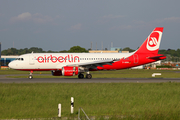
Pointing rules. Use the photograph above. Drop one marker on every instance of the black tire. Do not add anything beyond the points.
(88, 76)
(30, 77)
(80, 76)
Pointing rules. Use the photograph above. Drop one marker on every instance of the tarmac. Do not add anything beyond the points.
(3, 79)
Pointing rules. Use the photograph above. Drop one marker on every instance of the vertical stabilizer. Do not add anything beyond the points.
(152, 43)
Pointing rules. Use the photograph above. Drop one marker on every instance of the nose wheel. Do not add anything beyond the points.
(30, 75)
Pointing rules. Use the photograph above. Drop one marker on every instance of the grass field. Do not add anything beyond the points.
(127, 73)
(115, 100)
(120, 100)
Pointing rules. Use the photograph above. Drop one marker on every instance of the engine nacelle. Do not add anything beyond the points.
(70, 71)
(56, 73)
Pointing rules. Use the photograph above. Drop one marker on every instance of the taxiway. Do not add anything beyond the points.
(94, 80)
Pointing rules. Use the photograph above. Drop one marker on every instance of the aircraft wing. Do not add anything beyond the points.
(94, 64)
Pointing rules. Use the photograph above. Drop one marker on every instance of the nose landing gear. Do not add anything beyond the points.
(30, 75)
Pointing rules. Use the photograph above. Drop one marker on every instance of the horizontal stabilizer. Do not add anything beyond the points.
(157, 57)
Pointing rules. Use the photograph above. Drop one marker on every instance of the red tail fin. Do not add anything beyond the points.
(152, 43)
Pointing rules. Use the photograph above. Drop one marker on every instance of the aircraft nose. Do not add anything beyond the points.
(11, 65)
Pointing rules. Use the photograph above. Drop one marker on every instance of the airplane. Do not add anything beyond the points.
(70, 64)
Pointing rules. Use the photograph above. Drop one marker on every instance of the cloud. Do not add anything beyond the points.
(144, 24)
(76, 27)
(170, 19)
(22, 17)
(157, 22)
(37, 18)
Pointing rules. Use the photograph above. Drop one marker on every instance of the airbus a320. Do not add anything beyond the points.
(70, 64)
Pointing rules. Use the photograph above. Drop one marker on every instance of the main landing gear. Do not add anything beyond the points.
(81, 76)
(30, 75)
(88, 76)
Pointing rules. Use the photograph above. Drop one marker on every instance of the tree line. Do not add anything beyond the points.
(77, 49)
(14, 51)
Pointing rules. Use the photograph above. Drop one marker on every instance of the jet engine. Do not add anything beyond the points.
(70, 71)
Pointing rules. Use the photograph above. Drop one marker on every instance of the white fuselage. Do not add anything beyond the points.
(53, 61)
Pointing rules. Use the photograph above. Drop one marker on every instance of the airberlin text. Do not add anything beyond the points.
(55, 59)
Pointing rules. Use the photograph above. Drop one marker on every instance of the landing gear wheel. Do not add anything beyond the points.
(80, 76)
(30, 77)
(88, 76)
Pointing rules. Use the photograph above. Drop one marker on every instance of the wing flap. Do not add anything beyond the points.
(94, 64)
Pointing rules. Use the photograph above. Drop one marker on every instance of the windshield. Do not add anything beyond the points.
(20, 59)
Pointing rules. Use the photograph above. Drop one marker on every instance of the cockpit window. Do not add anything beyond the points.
(20, 59)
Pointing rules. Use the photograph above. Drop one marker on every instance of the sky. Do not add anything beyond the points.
(61, 24)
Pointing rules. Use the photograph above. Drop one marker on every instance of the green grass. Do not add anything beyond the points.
(117, 100)
(11, 72)
(127, 73)
(114, 100)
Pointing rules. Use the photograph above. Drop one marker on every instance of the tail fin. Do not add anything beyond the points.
(152, 43)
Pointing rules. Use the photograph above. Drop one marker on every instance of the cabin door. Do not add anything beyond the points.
(136, 59)
(31, 60)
